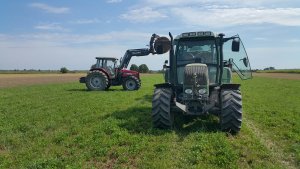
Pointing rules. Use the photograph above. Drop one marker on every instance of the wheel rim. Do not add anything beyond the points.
(130, 84)
(97, 82)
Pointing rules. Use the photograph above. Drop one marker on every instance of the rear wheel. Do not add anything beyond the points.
(108, 86)
(96, 80)
(131, 83)
(162, 117)
(231, 114)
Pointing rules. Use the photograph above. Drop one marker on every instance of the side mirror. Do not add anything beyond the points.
(165, 65)
(235, 47)
(245, 61)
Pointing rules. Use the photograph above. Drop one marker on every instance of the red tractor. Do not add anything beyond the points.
(106, 72)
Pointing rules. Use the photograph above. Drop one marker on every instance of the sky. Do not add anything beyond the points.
(71, 33)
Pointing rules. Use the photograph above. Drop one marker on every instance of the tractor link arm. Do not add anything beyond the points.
(132, 52)
(155, 47)
(138, 52)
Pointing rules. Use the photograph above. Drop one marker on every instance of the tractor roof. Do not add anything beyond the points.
(107, 58)
(195, 34)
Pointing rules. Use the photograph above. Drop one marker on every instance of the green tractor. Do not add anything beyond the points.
(198, 79)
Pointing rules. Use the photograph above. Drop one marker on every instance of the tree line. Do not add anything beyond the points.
(143, 68)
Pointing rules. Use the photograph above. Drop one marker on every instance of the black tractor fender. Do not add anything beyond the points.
(164, 85)
(230, 86)
(82, 79)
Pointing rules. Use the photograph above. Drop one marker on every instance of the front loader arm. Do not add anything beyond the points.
(157, 45)
(132, 52)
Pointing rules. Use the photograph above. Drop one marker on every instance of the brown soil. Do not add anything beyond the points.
(292, 76)
(12, 80)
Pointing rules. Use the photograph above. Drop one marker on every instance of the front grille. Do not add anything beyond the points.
(196, 74)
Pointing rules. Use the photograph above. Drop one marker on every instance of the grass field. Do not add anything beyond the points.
(64, 126)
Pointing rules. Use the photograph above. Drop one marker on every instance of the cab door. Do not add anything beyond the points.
(237, 58)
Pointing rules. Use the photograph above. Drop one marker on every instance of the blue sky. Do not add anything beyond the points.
(56, 33)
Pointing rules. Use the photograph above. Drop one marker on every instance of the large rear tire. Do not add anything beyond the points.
(96, 80)
(131, 83)
(108, 86)
(231, 113)
(162, 117)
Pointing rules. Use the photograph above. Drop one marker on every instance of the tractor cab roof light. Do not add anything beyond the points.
(197, 34)
(185, 35)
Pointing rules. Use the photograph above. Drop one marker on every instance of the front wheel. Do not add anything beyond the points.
(131, 83)
(231, 113)
(162, 117)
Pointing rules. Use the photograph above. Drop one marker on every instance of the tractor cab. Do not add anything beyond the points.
(220, 55)
(109, 64)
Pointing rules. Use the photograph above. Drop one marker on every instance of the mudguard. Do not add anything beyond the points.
(104, 71)
(231, 86)
(82, 80)
(164, 85)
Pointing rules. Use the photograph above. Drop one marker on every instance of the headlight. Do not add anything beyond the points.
(188, 91)
(202, 91)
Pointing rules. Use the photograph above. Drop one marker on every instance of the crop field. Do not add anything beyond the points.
(65, 126)
(297, 71)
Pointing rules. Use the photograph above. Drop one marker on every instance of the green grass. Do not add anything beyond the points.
(273, 104)
(64, 126)
(280, 71)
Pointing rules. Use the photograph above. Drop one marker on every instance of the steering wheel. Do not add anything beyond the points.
(191, 54)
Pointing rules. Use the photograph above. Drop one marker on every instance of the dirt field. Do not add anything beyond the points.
(12, 80)
(292, 76)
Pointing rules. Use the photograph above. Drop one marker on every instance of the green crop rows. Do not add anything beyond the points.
(64, 126)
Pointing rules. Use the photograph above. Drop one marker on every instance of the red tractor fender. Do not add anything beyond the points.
(102, 70)
(125, 73)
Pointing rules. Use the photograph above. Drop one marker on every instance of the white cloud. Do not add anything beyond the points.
(53, 50)
(145, 15)
(50, 9)
(50, 27)
(181, 3)
(224, 17)
(294, 40)
(114, 1)
(65, 39)
(215, 13)
(280, 58)
(261, 39)
(86, 21)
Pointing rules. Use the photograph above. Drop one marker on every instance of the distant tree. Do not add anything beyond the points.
(143, 68)
(134, 67)
(269, 68)
(64, 70)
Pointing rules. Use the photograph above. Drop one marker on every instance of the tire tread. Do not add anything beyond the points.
(231, 114)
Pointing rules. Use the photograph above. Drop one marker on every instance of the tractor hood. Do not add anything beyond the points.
(126, 72)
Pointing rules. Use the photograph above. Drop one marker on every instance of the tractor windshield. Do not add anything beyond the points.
(197, 51)
(239, 60)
